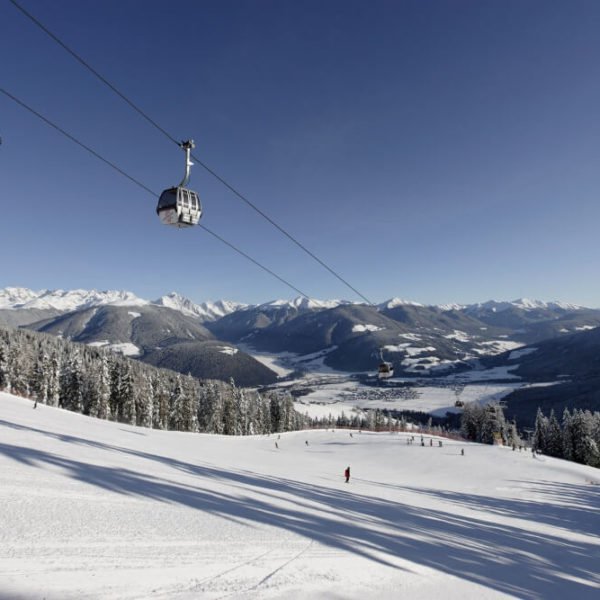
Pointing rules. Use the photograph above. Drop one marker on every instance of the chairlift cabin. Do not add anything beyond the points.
(180, 206)
(386, 369)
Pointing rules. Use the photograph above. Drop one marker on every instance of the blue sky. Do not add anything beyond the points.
(437, 151)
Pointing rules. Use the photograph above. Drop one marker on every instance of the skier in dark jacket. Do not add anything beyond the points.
(347, 474)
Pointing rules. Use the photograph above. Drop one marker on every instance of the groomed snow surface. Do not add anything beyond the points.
(93, 509)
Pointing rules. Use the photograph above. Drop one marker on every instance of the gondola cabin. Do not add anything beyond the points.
(385, 370)
(180, 207)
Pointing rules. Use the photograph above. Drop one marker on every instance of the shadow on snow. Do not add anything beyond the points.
(507, 557)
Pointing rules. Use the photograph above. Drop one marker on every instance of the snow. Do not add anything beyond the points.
(523, 304)
(125, 348)
(497, 346)
(98, 344)
(94, 509)
(437, 397)
(135, 315)
(300, 303)
(277, 362)
(448, 307)
(416, 351)
(15, 297)
(413, 337)
(585, 327)
(395, 302)
(515, 354)
(207, 311)
(459, 336)
(228, 350)
(364, 328)
(23, 298)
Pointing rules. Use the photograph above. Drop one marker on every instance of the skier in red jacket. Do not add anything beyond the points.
(347, 474)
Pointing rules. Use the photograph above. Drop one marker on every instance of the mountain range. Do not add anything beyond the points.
(207, 339)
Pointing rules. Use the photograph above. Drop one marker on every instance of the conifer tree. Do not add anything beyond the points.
(103, 391)
(71, 385)
(541, 432)
(554, 441)
(145, 401)
(41, 373)
(127, 395)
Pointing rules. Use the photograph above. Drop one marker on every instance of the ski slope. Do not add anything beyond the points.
(94, 509)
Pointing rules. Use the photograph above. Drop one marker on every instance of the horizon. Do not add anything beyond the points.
(408, 301)
(445, 151)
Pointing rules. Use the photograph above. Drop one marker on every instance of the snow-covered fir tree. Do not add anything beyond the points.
(103, 385)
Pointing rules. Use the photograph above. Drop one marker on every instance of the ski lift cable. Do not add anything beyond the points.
(208, 169)
(75, 140)
(143, 186)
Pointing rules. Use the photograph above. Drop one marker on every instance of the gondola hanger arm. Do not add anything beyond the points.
(187, 146)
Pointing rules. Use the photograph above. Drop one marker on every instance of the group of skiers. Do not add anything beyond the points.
(346, 471)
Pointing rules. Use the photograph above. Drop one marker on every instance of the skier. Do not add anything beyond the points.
(347, 474)
(306, 442)
(277, 445)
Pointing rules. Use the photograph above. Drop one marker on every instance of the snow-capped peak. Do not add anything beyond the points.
(180, 303)
(394, 302)
(22, 298)
(527, 304)
(207, 311)
(523, 304)
(446, 307)
(301, 303)
(16, 297)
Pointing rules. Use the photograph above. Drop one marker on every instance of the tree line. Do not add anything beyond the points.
(98, 383)
(487, 425)
(576, 437)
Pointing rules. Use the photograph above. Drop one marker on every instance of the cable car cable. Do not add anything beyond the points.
(75, 140)
(198, 161)
(92, 70)
(144, 187)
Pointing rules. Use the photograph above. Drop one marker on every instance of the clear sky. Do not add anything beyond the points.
(440, 151)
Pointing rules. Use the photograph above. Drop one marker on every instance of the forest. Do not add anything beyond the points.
(101, 384)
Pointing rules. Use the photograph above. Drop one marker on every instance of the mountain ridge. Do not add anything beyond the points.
(13, 298)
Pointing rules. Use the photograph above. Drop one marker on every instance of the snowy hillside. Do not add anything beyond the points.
(94, 509)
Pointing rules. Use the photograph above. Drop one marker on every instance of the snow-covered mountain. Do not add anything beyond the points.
(300, 303)
(14, 298)
(522, 304)
(207, 311)
(23, 298)
(417, 338)
(394, 302)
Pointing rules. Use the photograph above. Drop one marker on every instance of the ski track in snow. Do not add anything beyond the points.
(93, 509)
